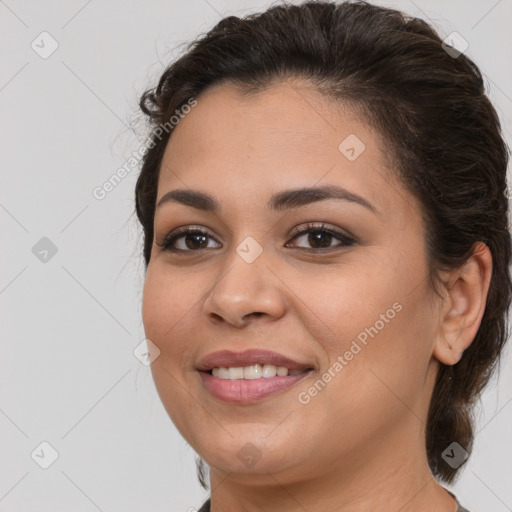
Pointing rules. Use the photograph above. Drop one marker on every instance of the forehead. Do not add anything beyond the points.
(285, 120)
(288, 134)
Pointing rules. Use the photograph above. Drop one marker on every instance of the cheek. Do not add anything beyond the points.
(167, 306)
(379, 362)
(347, 301)
(372, 323)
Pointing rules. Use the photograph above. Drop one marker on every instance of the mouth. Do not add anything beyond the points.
(250, 376)
(253, 372)
(245, 391)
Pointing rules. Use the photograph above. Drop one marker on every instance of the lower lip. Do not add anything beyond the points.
(248, 390)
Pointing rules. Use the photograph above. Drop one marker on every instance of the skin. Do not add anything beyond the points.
(358, 445)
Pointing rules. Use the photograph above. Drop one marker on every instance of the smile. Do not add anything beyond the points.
(255, 371)
(244, 390)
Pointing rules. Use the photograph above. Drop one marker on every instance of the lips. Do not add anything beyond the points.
(230, 359)
(245, 392)
(242, 391)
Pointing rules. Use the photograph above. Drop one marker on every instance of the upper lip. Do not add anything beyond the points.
(228, 358)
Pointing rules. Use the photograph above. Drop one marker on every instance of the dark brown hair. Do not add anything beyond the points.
(443, 135)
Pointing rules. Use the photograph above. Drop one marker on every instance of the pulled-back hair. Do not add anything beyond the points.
(442, 133)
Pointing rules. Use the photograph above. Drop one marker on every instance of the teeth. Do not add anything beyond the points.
(255, 371)
(235, 373)
(282, 371)
(269, 370)
(221, 372)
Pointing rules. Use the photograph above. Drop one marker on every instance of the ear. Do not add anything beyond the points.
(464, 305)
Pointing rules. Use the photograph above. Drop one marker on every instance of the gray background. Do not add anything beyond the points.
(68, 375)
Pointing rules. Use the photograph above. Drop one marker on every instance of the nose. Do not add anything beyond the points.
(245, 291)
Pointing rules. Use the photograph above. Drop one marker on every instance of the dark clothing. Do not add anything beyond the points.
(206, 506)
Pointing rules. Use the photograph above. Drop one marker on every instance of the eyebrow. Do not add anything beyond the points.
(287, 199)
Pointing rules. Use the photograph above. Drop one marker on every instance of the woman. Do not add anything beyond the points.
(326, 245)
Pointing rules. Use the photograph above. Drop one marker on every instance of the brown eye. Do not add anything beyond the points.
(186, 240)
(321, 237)
(194, 241)
(318, 237)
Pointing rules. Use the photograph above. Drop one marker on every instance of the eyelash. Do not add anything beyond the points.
(169, 240)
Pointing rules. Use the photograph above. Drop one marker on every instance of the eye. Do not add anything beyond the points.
(320, 237)
(193, 239)
(189, 240)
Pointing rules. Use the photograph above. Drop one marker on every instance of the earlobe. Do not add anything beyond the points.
(464, 305)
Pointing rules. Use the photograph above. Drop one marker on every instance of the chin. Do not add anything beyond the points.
(245, 455)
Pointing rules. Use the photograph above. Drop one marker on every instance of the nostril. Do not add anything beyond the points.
(255, 314)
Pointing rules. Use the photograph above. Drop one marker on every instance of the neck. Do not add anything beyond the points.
(388, 476)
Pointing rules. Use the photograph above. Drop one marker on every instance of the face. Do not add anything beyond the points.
(336, 284)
